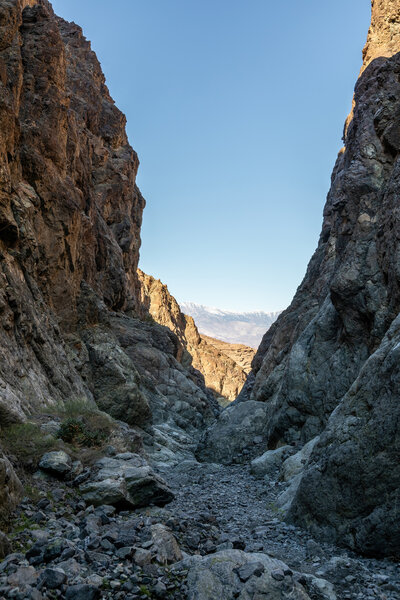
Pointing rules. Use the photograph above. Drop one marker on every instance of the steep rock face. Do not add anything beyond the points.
(71, 321)
(384, 33)
(213, 359)
(241, 354)
(333, 351)
(350, 491)
(349, 296)
(67, 195)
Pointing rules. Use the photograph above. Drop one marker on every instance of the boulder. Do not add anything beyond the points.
(82, 591)
(295, 464)
(165, 545)
(291, 472)
(236, 574)
(270, 462)
(237, 435)
(52, 578)
(56, 463)
(23, 577)
(125, 481)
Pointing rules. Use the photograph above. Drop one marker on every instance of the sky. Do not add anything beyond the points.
(236, 110)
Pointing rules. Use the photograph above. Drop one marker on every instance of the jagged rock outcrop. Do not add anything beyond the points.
(333, 351)
(72, 325)
(220, 363)
(384, 33)
(241, 354)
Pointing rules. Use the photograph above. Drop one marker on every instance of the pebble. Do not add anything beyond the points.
(87, 553)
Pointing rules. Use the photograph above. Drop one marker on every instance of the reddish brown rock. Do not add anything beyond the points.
(71, 320)
(218, 362)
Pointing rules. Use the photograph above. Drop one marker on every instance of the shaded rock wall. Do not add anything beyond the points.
(349, 296)
(71, 320)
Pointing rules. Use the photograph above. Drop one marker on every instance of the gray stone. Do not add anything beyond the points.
(127, 481)
(164, 545)
(52, 578)
(142, 557)
(250, 569)
(23, 576)
(56, 463)
(269, 463)
(82, 592)
(217, 576)
(234, 432)
(295, 464)
(51, 427)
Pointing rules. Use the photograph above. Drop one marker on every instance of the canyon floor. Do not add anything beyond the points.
(65, 549)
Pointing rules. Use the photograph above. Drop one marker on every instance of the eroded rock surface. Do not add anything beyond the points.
(235, 574)
(125, 481)
(223, 366)
(237, 436)
(72, 324)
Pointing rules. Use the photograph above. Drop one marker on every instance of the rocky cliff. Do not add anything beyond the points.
(223, 366)
(72, 325)
(328, 365)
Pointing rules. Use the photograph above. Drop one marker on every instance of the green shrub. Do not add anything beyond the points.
(88, 431)
(74, 408)
(27, 444)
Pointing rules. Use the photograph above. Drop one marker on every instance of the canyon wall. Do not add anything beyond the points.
(72, 323)
(329, 364)
(223, 366)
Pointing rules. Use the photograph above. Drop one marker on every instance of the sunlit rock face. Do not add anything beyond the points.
(223, 367)
(384, 33)
(71, 320)
(329, 362)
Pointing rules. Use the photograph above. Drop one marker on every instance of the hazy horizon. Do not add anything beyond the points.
(236, 116)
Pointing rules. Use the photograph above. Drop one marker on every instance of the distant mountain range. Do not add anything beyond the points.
(237, 328)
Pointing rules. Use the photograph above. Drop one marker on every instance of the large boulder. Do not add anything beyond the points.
(235, 574)
(349, 492)
(269, 463)
(295, 464)
(237, 435)
(125, 481)
(57, 463)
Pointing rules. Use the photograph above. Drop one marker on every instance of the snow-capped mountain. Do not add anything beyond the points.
(237, 328)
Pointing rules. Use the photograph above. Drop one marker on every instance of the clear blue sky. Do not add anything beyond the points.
(236, 110)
